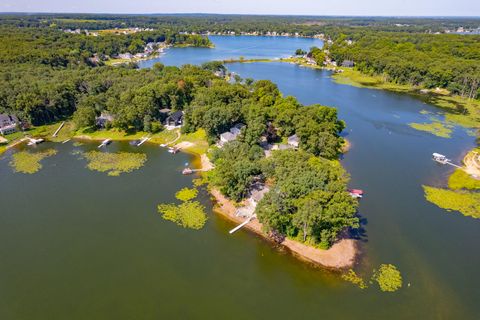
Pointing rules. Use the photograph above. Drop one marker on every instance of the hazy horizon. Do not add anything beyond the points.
(374, 8)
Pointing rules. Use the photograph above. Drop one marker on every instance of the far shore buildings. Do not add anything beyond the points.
(8, 124)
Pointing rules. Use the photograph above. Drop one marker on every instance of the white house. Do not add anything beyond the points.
(8, 124)
(227, 137)
(293, 141)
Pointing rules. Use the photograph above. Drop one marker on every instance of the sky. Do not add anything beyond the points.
(295, 7)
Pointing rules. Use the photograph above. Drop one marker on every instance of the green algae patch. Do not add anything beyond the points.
(186, 194)
(352, 277)
(467, 203)
(435, 127)
(388, 277)
(462, 180)
(29, 162)
(189, 214)
(114, 164)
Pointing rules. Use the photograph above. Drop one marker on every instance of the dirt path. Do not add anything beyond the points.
(341, 255)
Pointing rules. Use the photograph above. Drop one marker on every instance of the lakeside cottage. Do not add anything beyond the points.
(8, 124)
(293, 141)
(232, 134)
(104, 119)
(174, 119)
(348, 63)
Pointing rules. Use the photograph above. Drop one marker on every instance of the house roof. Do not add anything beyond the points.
(294, 140)
(227, 136)
(8, 118)
(176, 116)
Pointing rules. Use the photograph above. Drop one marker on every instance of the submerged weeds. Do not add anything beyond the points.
(29, 162)
(114, 163)
(388, 278)
(352, 277)
(467, 203)
(189, 214)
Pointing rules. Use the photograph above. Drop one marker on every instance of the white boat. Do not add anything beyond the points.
(440, 158)
(33, 142)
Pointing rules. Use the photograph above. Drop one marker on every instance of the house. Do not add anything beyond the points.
(227, 137)
(237, 129)
(8, 124)
(348, 63)
(293, 141)
(174, 119)
(232, 134)
(127, 55)
(103, 120)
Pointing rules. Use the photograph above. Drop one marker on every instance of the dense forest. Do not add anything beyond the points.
(444, 61)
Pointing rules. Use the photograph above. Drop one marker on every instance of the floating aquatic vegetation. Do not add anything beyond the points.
(462, 180)
(388, 278)
(186, 194)
(114, 163)
(467, 203)
(352, 277)
(77, 144)
(435, 127)
(29, 162)
(189, 214)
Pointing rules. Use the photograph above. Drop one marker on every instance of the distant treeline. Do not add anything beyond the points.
(306, 25)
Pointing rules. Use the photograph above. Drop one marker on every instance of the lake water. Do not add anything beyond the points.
(234, 47)
(77, 244)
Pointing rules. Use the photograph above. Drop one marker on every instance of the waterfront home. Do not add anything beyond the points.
(127, 55)
(104, 119)
(232, 134)
(174, 119)
(348, 63)
(237, 129)
(293, 141)
(227, 137)
(8, 124)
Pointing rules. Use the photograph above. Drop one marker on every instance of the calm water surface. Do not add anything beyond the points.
(233, 47)
(77, 244)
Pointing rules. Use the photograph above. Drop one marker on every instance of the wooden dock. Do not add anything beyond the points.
(143, 141)
(244, 223)
(105, 143)
(58, 130)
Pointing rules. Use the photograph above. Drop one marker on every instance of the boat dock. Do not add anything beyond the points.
(105, 143)
(440, 158)
(143, 141)
(58, 130)
(244, 223)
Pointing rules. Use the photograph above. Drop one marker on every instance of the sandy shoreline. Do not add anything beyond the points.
(342, 255)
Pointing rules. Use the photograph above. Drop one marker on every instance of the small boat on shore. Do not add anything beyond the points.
(187, 171)
(356, 193)
(33, 141)
(172, 150)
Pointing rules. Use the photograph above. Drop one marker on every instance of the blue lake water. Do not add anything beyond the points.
(76, 244)
(234, 47)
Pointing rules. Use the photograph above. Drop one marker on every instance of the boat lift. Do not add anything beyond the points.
(440, 158)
